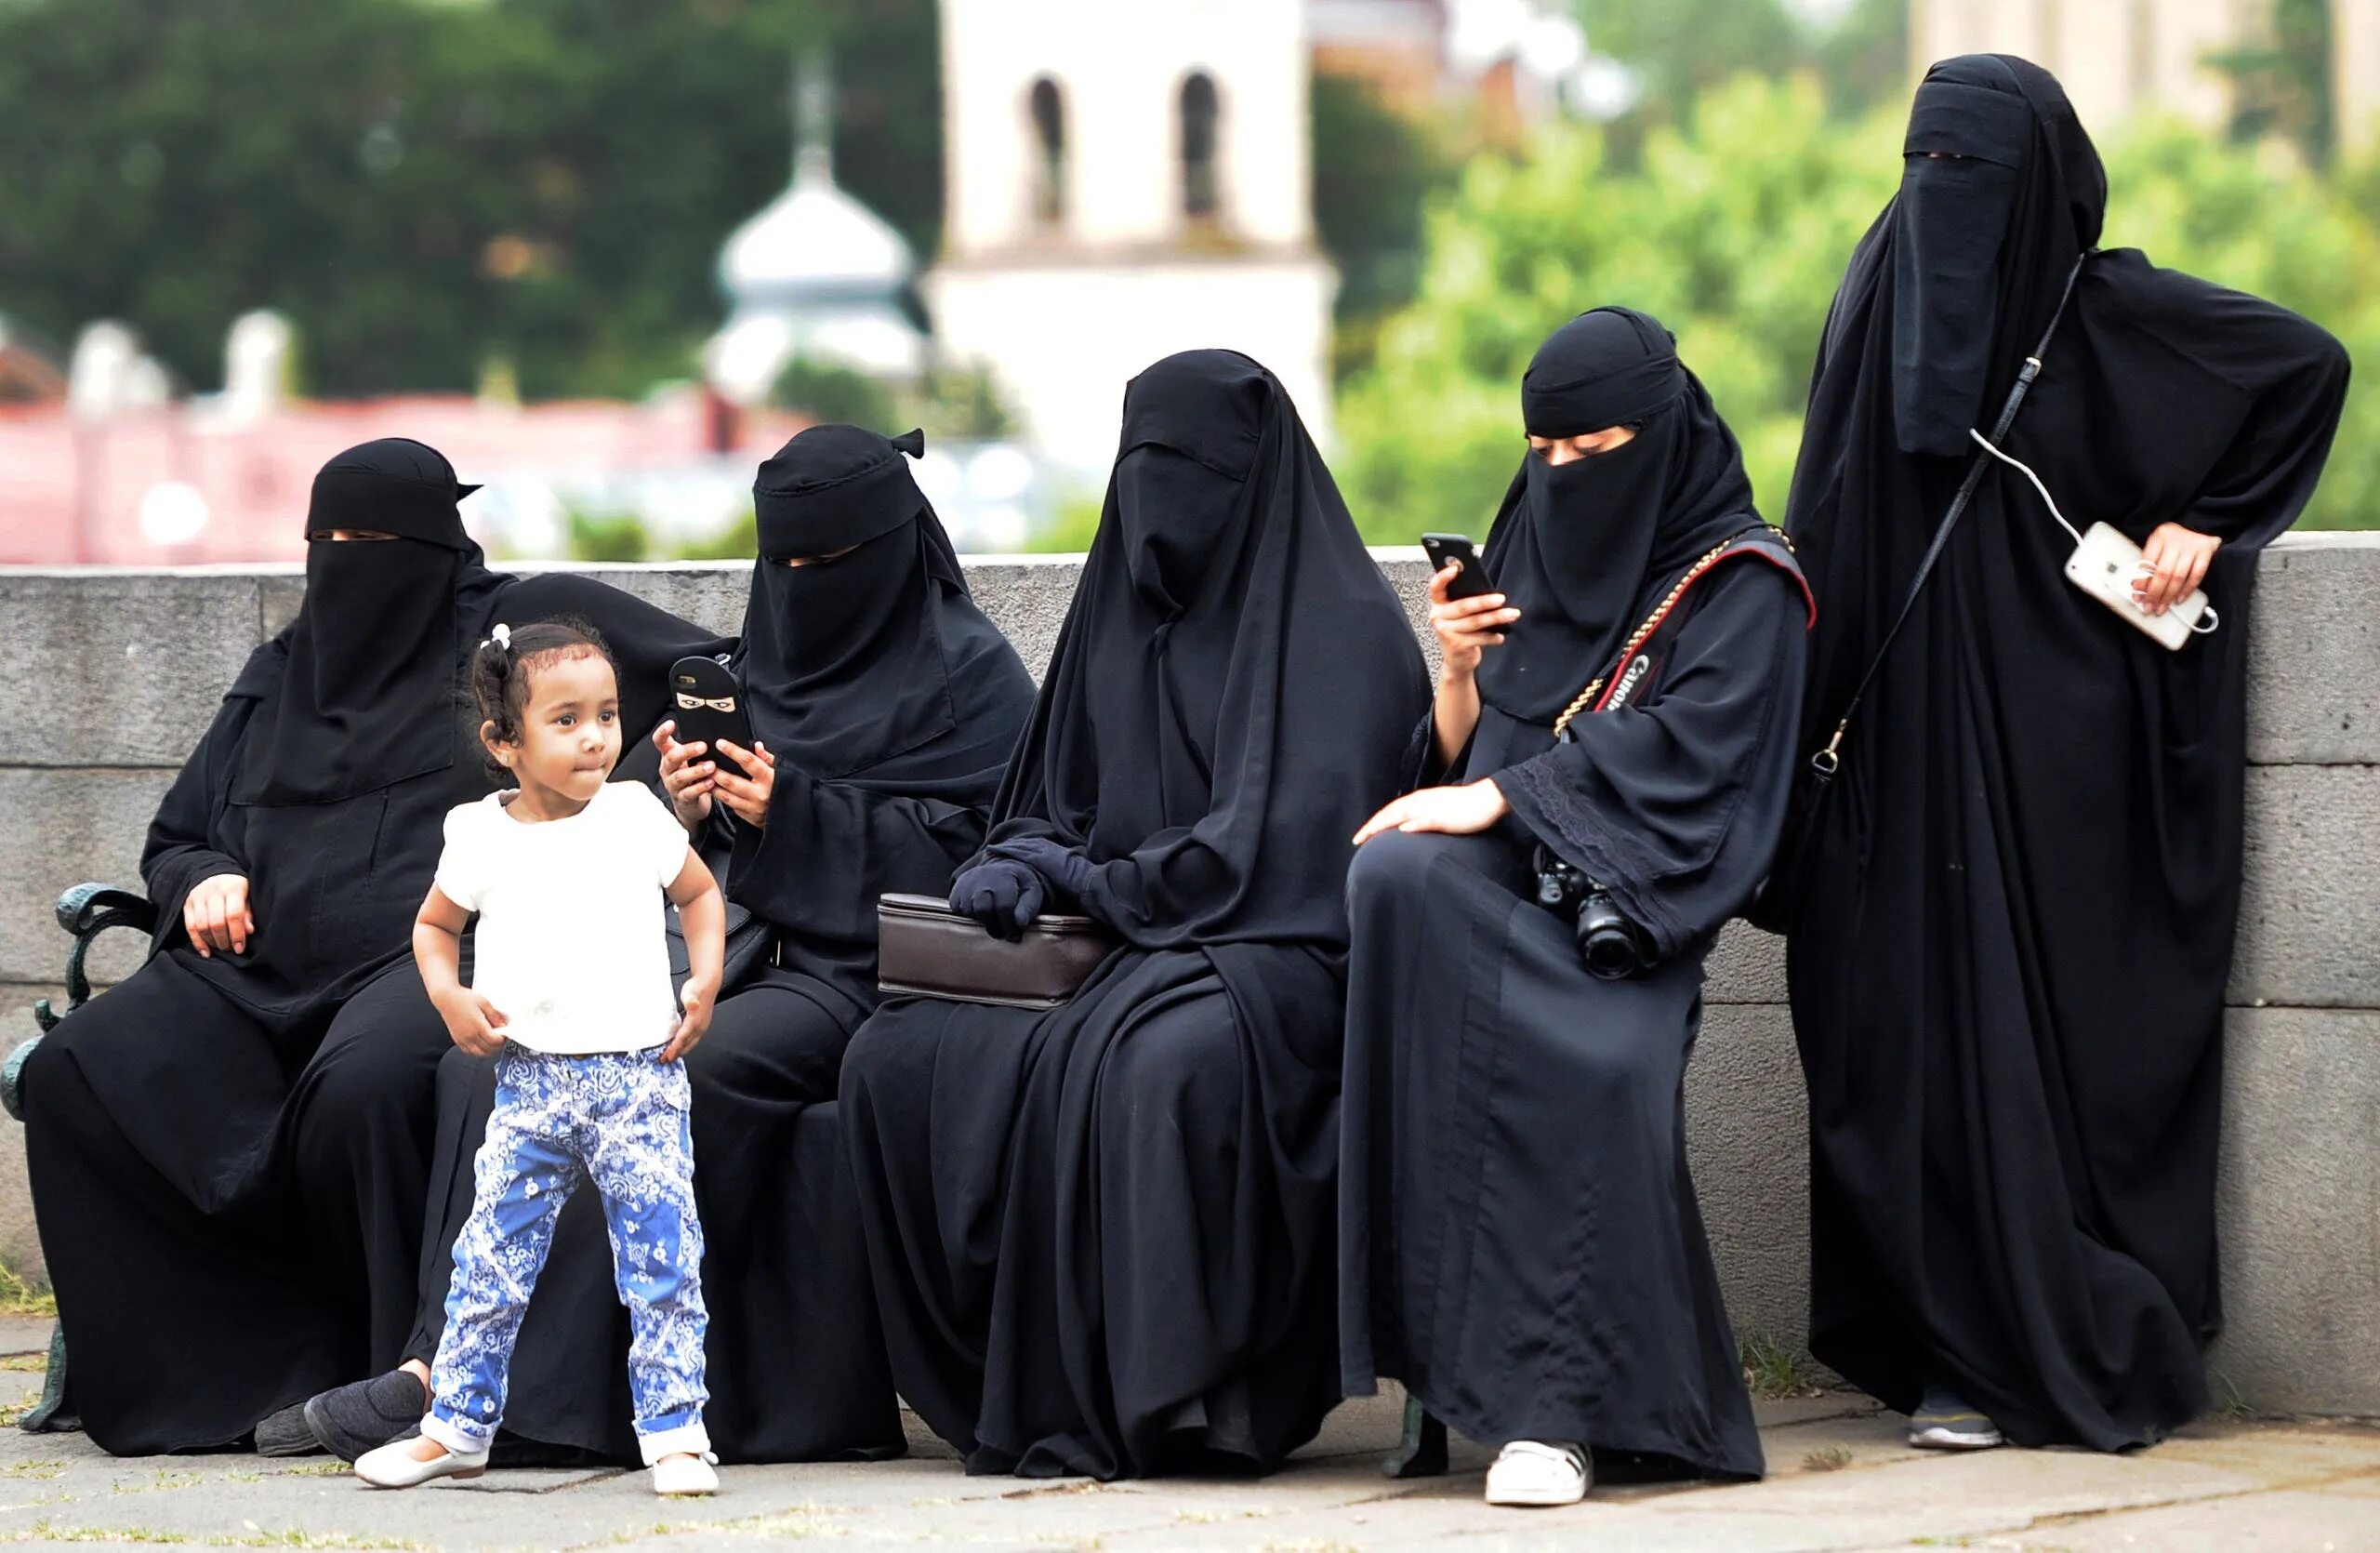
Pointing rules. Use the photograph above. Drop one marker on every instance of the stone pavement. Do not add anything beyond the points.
(1840, 1478)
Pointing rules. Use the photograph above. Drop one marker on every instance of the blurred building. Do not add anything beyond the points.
(1122, 182)
(2117, 56)
(816, 275)
(117, 469)
(2355, 55)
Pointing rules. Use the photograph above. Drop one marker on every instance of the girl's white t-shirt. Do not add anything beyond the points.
(571, 946)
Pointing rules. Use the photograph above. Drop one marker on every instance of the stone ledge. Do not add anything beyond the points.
(2314, 662)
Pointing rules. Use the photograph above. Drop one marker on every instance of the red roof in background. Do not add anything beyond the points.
(71, 490)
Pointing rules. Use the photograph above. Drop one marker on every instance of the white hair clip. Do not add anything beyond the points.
(501, 636)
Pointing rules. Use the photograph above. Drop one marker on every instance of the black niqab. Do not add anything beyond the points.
(1584, 549)
(2032, 851)
(367, 694)
(847, 661)
(1226, 645)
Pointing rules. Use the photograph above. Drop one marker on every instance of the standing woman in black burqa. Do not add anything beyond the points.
(883, 706)
(1519, 1238)
(229, 1150)
(2015, 920)
(1101, 1235)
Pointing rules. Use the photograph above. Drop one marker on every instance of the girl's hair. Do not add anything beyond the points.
(501, 667)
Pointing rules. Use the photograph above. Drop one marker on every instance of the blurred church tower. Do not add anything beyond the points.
(1122, 181)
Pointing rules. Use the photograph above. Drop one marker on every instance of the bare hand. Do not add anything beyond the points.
(2178, 559)
(474, 1022)
(1466, 628)
(747, 797)
(1464, 811)
(216, 915)
(686, 775)
(697, 999)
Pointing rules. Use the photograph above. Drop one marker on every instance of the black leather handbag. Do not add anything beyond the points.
(925, 950)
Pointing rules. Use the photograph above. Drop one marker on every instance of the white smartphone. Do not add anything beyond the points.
(2108, 566)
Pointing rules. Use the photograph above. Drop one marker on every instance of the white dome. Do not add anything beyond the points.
(814, 240)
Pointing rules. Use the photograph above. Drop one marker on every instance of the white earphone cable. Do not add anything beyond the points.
(2027, 470)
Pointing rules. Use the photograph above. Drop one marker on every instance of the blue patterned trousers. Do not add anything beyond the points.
(619, 1119)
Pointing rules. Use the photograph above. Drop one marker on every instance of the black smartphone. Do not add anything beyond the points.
(1443, 548)
(708, 705)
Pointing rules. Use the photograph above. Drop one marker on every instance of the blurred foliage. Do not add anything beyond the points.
(1735, 232)
(739, 541)
(608, 536)
(825, 391)
(422, 185)
(2282, 84)
(1681, 48)
(1373, 168)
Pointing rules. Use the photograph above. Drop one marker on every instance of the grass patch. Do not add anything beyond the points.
(316, 1469)
(159, 1480)
(1834, 1458)
(2233, 1406)
(39, 1471)
(1775, 1372)
(20, 1296)
(26, 1363)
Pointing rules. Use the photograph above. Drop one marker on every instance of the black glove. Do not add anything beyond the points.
(1000, 893)
(1062, 868)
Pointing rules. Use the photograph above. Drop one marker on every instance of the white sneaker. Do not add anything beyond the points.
(395, 1466)
(1540, 1472)
(685, 1474)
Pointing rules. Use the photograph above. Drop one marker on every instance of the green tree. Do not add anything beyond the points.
(1736, 234)
(1373, 168)
(421, 185)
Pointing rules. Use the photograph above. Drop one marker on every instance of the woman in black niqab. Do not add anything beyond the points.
(228, 1150)
(1100, 1235)
(2018, 906)
(1519, 1241)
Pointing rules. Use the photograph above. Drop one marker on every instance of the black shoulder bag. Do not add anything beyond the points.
(1777, 904)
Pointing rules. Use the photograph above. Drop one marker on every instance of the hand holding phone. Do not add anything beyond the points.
(1445, 549)
(1467, 613)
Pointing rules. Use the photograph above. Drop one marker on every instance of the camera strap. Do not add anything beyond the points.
(1827, 762)
(1602, 690)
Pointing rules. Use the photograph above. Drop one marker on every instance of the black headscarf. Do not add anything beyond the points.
(1584, 549)
(367, 697)
(848, 663)
(1234, 680)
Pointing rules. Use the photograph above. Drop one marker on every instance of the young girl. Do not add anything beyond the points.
(571, 996)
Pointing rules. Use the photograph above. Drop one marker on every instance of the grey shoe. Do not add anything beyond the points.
(1944, 1422)
(348, 1420)
(285, 1434)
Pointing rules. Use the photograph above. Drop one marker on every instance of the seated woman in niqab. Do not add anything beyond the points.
(228, 1150)
(1519, 1241)
(2014, 916)
(1100, 1235)
(883, 705)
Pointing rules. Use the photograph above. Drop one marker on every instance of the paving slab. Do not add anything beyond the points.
(1841, 1476)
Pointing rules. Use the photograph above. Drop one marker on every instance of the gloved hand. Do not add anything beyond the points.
(1000, 893)
(1062, 868)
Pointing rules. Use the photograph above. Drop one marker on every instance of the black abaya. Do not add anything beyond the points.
(890, 703)
(2009, 955)
(257, 1123)
(1101, 1236)
(1520, 1240)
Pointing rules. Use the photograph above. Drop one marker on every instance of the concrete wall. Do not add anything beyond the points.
(108, 678)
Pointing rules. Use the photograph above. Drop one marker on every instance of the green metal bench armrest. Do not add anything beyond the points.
(87, 910)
